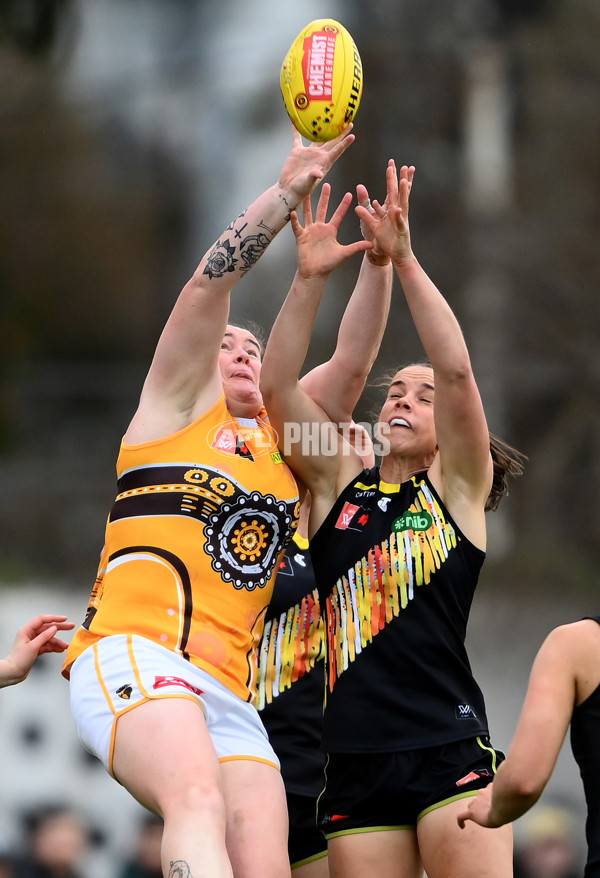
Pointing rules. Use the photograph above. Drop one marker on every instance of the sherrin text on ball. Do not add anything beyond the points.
(322, 80)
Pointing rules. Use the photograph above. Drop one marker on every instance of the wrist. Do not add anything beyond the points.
(313, 280)
(377, 258)
(8, 677)
(286, 196)
(406, 263)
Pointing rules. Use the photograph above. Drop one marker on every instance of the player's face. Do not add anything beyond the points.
(407, 414)
(239, 362)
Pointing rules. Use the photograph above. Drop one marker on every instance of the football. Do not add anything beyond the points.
(322, 80)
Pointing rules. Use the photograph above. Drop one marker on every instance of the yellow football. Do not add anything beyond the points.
(322, 80)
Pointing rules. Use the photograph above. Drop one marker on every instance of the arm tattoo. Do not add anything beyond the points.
(179, 869)
(221, 258)
(252, 248)
(288, 208)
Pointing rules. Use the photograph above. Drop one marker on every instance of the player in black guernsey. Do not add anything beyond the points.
(397, 551)
(291, 688)
(291, 667)
(290, 698)
(564, 688)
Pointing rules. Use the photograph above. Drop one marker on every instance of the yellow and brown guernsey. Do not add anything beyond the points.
(193, 543)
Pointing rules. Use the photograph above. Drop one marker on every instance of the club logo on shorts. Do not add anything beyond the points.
(472, 776)
(125, 691)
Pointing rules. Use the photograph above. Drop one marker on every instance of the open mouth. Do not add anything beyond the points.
(400, 422)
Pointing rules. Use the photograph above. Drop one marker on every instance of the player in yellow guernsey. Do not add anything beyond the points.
(193, 540)
(163, 668)
(204, 509)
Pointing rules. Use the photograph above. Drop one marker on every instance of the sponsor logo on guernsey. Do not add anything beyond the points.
(225, 440)
(242, 449)
(349, 518)
(465, 711)
(473, 776)
(383, 503)
(276, 457)
(285, 568)
(345, 517)
(237, 437)
(124, 691)
(160, 682)
(414, 521)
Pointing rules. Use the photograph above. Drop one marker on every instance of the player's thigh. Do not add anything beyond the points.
(163, 754)
(315, 869)
(448, 851)
(386, 854)
(257, 818)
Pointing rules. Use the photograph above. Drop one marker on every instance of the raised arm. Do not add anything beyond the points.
(184, 379)
(337, 384)
(551, 696)
(301, 422)
(463, 467)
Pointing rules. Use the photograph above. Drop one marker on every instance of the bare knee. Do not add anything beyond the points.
(195, 800)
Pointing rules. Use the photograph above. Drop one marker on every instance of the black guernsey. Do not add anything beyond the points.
(585, 735)
(396, 579)
(291, 673)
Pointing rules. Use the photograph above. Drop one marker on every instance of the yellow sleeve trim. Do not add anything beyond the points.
(300, 541)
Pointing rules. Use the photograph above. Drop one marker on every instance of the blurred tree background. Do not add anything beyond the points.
(133, 131)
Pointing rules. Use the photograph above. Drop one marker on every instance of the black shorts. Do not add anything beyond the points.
(305, 842)
(394, 790)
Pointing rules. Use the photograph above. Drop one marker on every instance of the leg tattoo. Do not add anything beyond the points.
(179, 869)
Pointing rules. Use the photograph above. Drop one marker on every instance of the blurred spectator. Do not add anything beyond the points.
(6, 867)
(56, 840)
(547, 849)
(146, 861)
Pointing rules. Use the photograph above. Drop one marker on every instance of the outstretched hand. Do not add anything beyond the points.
(318, 250)
(306, 165)
(35, 638)
(386, 225)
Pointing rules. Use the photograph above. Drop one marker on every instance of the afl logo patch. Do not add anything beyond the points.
(125, 691)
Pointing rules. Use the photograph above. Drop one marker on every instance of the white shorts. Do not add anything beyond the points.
(122, 671)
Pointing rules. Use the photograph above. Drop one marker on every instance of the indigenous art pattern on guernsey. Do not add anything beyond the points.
(380, 585)
(292, 644)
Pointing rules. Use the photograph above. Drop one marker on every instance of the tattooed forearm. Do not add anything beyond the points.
(222, 259)
(287, 206)
(179, 869)
(252, 248)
